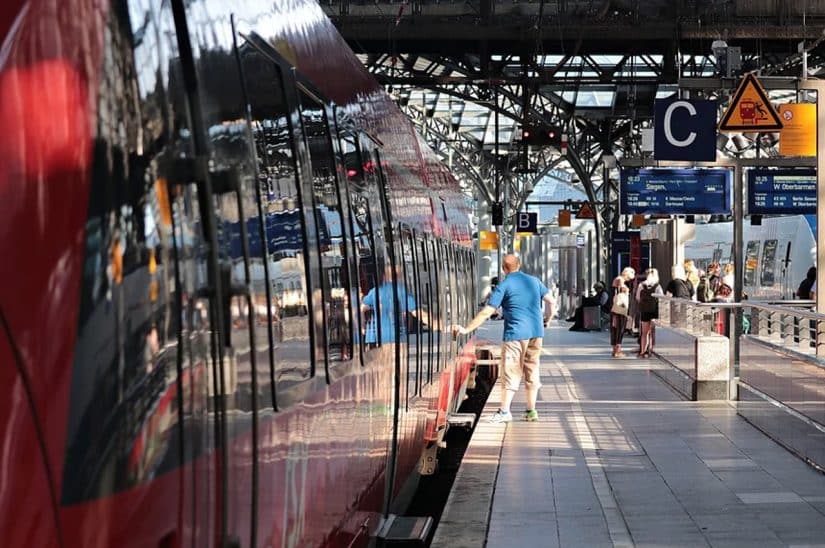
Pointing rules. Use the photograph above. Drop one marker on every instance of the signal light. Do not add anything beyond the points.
(541, 136)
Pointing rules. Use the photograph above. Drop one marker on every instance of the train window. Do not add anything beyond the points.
(751, 262)
(142, 264)
(768, 270)
(437, 300)
(416, 318)
(448, 288)
(283, 224)
(329, 222)
(425, 291)
(363, 232)
(423, 320)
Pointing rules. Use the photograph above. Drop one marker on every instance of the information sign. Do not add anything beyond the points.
(781, 191)
(487, 240)
(798, 135)
(675, 191)
(685, 130)
(527, 222)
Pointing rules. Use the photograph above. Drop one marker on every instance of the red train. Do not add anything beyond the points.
(229, 267)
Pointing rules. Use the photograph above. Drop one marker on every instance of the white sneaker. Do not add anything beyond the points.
(500, 416)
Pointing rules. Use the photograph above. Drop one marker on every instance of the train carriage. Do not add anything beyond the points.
(777, 253)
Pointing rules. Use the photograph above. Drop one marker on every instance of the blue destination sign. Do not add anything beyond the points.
(675, 191)
(782, 191)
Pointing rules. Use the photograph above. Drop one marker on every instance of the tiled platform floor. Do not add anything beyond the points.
(618, 459)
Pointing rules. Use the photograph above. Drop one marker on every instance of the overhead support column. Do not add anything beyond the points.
(738, 272)
(819, 87)
(484, 258)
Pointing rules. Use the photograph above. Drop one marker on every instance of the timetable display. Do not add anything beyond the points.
(781, 191)
(647, 191)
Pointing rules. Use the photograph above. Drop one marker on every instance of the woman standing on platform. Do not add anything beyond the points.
(648, 310)
(619, 310)
(679, 287)
(691, 275)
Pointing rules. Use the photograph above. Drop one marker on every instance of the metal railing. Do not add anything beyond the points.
(698, 318)
(791, 325)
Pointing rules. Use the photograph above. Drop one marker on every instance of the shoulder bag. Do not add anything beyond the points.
(620, 304)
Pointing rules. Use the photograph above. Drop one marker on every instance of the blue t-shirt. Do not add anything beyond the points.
(520, 298)
(405, 301)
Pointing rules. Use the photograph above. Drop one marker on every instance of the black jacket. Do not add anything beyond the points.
(680, 288)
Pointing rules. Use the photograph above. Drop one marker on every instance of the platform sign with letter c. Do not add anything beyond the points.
(685, 130)
(527, 222)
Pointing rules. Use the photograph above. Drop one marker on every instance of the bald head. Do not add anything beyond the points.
(511, 264)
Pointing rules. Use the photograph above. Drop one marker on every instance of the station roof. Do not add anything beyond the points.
(592, 67)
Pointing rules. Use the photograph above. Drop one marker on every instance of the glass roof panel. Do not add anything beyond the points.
(597, 99)
(607, 60)
(549, 59)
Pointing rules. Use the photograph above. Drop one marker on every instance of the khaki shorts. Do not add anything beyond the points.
(521, 358)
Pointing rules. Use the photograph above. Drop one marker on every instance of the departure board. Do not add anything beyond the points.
(675, 191)
(781, 191)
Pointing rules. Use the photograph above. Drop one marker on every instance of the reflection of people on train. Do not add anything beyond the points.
(151, 348)
(384, 294)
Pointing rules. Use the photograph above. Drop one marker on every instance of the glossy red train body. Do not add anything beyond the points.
(229, 269)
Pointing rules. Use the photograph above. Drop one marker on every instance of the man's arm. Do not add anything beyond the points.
(480, 318)
(423, 316)
(548, 300)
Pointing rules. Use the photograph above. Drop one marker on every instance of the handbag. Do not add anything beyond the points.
(620, 304)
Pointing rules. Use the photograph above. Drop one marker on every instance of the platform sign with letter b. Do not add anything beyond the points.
(527, 222)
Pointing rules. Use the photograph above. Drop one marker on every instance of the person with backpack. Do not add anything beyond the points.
(679, 287)
(646, 294)
(709, 284)
(805, 288)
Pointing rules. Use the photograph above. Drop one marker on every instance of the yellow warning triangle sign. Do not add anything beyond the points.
(750, 109)
(586, 212)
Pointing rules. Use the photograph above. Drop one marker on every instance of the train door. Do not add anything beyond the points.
(369, 202)
(279, 255)
(241, 377)
(422, 286)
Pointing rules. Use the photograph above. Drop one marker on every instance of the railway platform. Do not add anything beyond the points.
(619, 459)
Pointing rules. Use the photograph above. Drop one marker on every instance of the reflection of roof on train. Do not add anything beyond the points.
(283, 234)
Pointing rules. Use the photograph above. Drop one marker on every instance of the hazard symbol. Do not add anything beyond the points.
(750, 109)
(586, 212)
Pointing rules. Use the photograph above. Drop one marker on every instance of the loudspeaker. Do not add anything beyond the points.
(497, 213)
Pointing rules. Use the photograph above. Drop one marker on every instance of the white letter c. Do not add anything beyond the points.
(669, 134)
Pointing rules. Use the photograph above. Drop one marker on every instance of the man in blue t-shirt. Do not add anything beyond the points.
(520, 297)
(383, 293)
